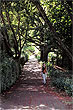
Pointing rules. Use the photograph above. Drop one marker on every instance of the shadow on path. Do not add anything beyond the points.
(29, 93)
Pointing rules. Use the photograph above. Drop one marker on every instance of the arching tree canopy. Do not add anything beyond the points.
(46, 23)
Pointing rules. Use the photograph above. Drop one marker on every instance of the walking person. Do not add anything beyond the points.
(44, 73)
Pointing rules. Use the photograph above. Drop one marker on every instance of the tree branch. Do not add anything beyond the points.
(15, 40)
(19, 33)
(4, 26)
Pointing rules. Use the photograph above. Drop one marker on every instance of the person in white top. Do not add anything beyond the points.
(44, 73)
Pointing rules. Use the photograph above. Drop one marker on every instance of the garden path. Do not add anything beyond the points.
(29, 93)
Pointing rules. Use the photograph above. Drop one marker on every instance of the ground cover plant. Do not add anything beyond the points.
(60, 79)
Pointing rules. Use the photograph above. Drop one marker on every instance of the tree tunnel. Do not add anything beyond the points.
(47, 24)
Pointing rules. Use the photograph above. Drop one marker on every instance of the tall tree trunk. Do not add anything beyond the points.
(44, 53)
(45, 56)
(66, 62)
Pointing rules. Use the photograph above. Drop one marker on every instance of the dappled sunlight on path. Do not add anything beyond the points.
(29, 93)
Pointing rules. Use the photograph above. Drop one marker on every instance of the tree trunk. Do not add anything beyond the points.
(66, 62)
(44, 53)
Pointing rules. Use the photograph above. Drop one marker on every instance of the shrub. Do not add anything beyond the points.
(68, 86)
(59, 83)
(38, 57)
(9, 72)
(60, 80)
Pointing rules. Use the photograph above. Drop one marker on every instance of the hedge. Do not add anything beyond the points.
(9, 72)
(61, 80)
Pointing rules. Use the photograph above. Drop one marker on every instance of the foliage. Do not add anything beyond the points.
(9, 71)
(37, 56)
(23, 21)
(61, 80)
(56, 16)
(28, 49)
(68, 86)
(23, 59)
(14, 26)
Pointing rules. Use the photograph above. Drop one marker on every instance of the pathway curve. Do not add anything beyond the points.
(29, 93)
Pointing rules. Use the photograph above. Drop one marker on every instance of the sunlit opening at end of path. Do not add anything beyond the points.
(32, 57)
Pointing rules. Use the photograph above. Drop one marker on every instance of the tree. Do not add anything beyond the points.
(45, 23)
(55, 34)
(14, 37)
